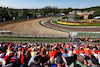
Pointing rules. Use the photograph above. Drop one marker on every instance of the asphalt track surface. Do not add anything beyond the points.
(32, 27)
(72, 28)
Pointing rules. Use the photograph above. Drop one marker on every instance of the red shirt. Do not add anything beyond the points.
(77, 51)
(23, 59)
(6, 57)
(12, 59)
(89, 51)
(52, 53)
(81, 50)
(56, 53)
(97, 51)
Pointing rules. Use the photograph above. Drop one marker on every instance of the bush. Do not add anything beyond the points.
(0, 18)
(64, 17)
(96, 13)
(77, 17)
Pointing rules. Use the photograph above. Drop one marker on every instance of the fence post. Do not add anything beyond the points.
(73, 38)
(67, 38)
(70, 36)
(98, 36)
(89, 35)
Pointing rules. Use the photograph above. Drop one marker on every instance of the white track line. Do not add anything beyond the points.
(43, 21)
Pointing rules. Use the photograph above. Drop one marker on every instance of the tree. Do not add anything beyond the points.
(5, 14)
(0, 18)
(55, 10)
(69, 9)
(33, 13)
(10, 15)
(41, 12)
(21, 14)
(77, 17)
(96, 13)
(1, 15)
(27, 12)
(49, 10)
(64, 17)
(15, 13)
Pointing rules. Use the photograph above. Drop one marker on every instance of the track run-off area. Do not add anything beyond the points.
(32, 27)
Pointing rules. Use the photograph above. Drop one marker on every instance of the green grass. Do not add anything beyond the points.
(35, 39)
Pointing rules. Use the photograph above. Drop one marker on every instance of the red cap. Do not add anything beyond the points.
(11, 54)
(11, 48)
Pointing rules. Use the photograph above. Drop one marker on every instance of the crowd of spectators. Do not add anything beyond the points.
(88, 39)
(47, 55)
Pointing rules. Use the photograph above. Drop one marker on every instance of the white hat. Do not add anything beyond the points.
(95, 54)
(33, 49)
(39, 47)
(70, 53)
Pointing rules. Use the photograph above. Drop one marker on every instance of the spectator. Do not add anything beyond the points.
(59, 60)
(37, 61)
(79, 62)
(43, 54)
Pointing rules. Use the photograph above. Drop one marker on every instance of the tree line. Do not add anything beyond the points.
(15, 14)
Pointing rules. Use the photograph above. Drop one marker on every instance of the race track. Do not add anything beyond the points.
(72, 28)
(31, 27)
